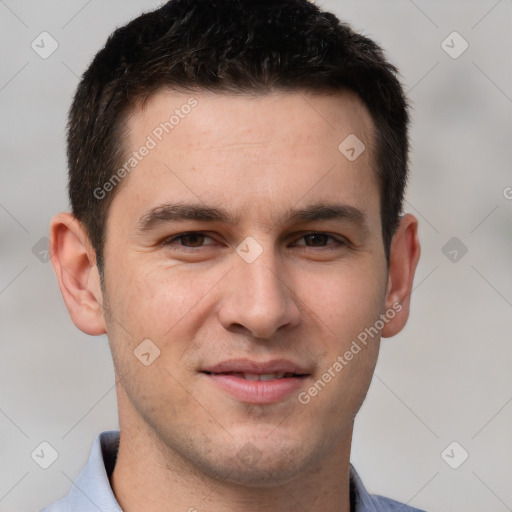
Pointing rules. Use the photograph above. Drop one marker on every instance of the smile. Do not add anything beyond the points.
(263, 377)
(257, 382)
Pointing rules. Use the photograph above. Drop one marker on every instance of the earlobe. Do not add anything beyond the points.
(404, 256)
(74, 262)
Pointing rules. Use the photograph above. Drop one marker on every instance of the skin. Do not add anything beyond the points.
(301, 299)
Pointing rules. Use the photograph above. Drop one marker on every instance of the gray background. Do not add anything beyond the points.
(445, 378)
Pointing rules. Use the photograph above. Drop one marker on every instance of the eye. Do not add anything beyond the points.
(195, 240)
(321, 239)
(190, 240)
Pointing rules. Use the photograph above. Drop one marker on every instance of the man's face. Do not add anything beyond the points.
(256, 295)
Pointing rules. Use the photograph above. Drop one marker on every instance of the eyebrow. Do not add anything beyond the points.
(179, 212)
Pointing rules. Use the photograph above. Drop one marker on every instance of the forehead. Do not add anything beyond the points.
(250, 118)
(258, 153)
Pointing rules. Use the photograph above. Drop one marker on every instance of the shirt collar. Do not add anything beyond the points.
(91, 490)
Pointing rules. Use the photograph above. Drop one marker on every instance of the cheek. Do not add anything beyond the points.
(158, 301)
(345, 298)
(149, 306)
(152, 306)
(347, 304)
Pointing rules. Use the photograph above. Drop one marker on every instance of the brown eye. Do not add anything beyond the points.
(321, 240)
(192, 239)
(188, 240)
(317, 239)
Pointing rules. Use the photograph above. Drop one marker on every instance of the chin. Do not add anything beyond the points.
(260, 459)
(266, 469)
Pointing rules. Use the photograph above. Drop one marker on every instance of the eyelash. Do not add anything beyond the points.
(340, 242)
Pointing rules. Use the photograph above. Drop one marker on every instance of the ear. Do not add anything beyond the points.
(74, 262)
(403, 259)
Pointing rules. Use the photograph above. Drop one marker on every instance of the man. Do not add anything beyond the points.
(236, 174)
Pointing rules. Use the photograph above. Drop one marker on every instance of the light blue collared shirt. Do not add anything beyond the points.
(91, 489)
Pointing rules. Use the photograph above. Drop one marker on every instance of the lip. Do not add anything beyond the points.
(254, 391)
(251, 366)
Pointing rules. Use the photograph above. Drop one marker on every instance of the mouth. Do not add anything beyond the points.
(261, 377)
(257, 382)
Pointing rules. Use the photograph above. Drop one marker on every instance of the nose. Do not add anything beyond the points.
(258, 297)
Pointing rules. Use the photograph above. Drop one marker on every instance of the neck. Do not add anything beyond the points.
(150, 477)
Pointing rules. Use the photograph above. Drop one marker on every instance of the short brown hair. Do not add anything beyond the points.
(228, 46)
